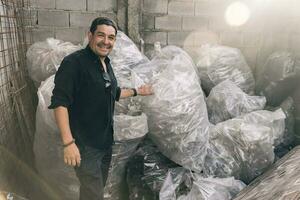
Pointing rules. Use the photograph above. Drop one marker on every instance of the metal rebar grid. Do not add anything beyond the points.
(17, 103)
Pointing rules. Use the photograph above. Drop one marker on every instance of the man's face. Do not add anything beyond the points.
(102, 40)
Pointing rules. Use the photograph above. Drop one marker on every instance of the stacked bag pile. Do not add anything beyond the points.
(207, 133)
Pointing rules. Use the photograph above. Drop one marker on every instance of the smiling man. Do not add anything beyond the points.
(83, 101)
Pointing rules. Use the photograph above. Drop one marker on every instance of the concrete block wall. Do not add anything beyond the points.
(273, 25)
(68, 20)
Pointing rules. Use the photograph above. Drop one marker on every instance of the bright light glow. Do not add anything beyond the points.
(237, 14)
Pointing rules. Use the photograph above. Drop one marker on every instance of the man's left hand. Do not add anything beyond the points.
(145, 90)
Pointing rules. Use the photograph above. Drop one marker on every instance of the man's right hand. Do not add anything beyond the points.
(72, 155)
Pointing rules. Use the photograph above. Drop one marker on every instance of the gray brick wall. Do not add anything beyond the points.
(69, 19)
(273, 25)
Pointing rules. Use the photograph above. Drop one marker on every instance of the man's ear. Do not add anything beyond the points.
(90, 35)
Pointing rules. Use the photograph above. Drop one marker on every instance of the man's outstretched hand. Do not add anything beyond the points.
(145, 90)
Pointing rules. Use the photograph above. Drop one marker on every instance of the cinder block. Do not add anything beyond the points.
(147, 22)
(157, 6)
(71, 4)
(181, 8)
(232, 39)
(195, 23)
(110, 15)
(74, 35)
(44, 3)
(42, 34)
(53, 18)
(210, 8)
(181, 38)
(80, 19)
(168, 23)
(102, 5)
(152, 37)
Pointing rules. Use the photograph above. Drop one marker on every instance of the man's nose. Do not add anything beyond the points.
(105, 40)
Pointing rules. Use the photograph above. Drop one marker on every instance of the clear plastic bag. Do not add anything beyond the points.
(44, 58)
(128, 133)
(213, 188)
(219, 63)
(130, 127)
(197, 187)
(10, 196)
(147, 171)
(124, 57)
(44, 94)
(48, 149)
(278, 77)
(296, 98)
(243, 147)
(226, 101)
(279, 182)
(287, 141)
(177, 115)
(178, 181)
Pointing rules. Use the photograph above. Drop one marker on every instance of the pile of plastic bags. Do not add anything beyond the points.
(203, 148)
(217, 63)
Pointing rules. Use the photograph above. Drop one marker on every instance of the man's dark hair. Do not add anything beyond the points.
(101, 21)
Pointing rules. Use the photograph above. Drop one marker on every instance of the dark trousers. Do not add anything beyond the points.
(92, 172)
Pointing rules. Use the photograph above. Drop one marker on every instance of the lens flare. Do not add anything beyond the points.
(237, 14)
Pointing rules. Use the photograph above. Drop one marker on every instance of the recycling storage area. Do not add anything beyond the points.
(223, 122)
(208, 131)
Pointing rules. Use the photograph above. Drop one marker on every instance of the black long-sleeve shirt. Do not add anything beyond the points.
(80, 87)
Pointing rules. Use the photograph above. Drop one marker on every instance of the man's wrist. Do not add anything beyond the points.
(69, 143)
(134, 92)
